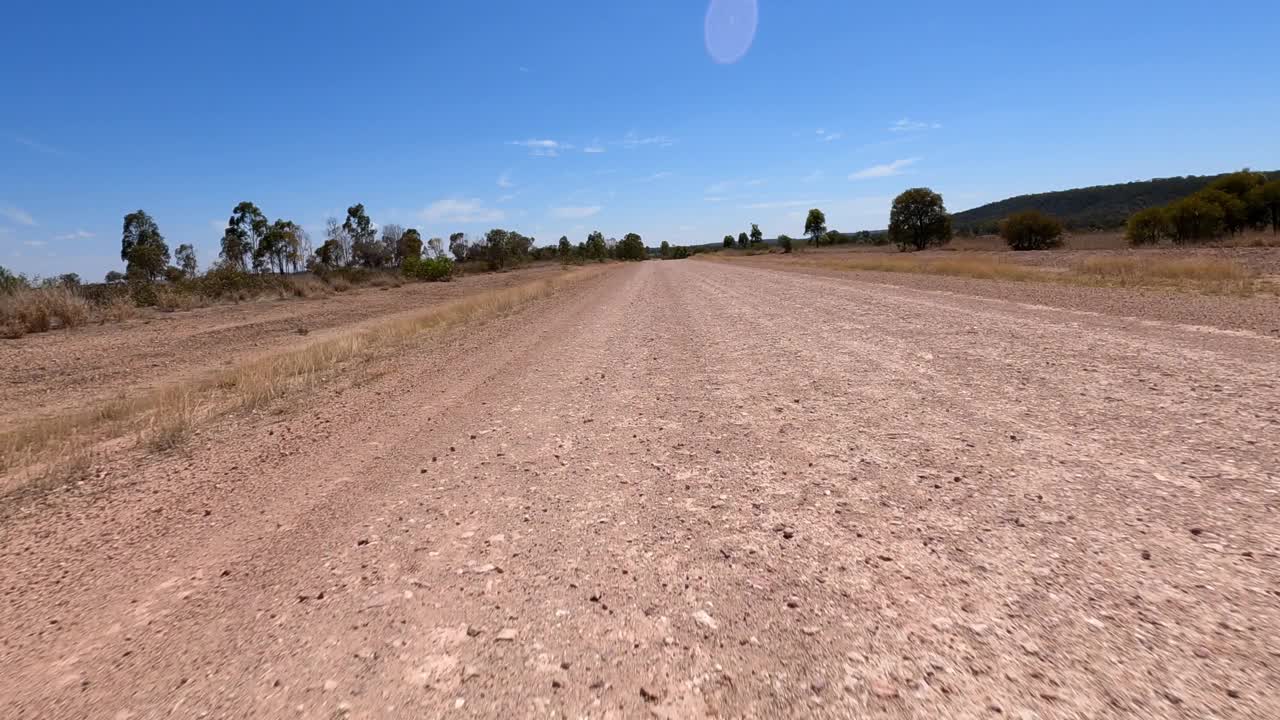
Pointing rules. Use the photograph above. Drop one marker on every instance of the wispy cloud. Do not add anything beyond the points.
(656, 176)
(507, 198)
(886, 170)
(504, 180)
(524, 69)
(814, 176)
(778, 204)
(460, 210)
(825, 136)
(909, 125)
(713, 198)
(542, 148)
(18, 215)
(33, 243)
(76, 235)
(632, 141)
(575, 213)
(38, 146)
(595, 147)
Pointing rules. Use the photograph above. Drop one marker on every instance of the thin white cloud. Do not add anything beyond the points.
(542, 147)
(38, 146)
(18, 215)
(76, 235)
(713, 198)
(595, 147)
(909, 125)
(460, 210)
(632, 141)
(777, 204)
(886, 170)
(33, 243)
(824, 136)
(756, 182)
(524, 69)
(719, 188)
(504, 180)
(656, 176)
(575, 213)
(507, 198)
(814, 176)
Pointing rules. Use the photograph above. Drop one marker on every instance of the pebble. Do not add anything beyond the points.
(330, 685)
(941, 624)
(506, 635)
(469, 671)
(882, 688)
(704, 619)
(810, 630)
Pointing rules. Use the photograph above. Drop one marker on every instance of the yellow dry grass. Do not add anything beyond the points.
(1206, 275)
(165, 417)
(41, 309)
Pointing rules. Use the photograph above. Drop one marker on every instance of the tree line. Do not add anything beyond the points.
(1229, 205)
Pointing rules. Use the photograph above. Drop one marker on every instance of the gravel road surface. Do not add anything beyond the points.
(689, 489)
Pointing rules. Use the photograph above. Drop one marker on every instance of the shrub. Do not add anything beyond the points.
(1148, 227)
(1031, 230)
(428, 269)
(785, 242)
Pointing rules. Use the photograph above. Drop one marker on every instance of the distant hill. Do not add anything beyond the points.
(1101, 207)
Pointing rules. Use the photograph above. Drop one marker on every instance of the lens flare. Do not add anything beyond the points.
(729, 29)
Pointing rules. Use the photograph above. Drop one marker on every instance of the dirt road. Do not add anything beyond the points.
(689, 489)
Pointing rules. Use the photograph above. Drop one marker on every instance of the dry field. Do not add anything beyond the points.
(748, 488)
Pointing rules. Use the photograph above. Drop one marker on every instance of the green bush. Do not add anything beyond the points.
(1148, 227)
(428, 269)
(1195, 219)
(1031, 230)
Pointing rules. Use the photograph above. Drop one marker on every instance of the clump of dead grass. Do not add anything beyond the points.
(34, 310)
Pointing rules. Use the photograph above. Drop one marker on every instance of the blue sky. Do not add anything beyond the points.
(562, 117)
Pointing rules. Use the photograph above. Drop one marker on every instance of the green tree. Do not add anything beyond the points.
(631, 247)
(728, 241)
(364, 238)
(1235, 213)
(1195, 219)
(185, 256)
(815, 225)
(1148, 227)
(458, 246)
(1268, 198)
(113, 276)
(742, 240)
(277, 245)
(918, 219)
(756, 235)
(665, 249)
(244, 232)
(409, 245)
(833, 237)
(785, 242)
(142, 247)
(565, 247)
(595, 247)
(1031, 230)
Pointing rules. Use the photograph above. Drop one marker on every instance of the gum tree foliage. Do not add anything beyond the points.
(364, 238)
(185, 257)
(113, 276)
(408, 245)
(815, 225)
(918, 220)
(595, 248)
(244, 232)
(1194, 219)
(665, 249)
(742, 240)
(142, 247)
(1268, 198)
(1031, 230)
(631, 247)
(785, 242)
(436, 247)
(728, 241)
(1148, 227)
(458, 246)
(278, 245)
(756, 235)
(336, 249)
(565, 248)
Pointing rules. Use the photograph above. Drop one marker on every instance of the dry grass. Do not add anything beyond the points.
(305, 287)
(164, 418)
(171, 300)
(117, 309)
(41, 309)
(1187, 274)
(339, 283)
(1204, 274)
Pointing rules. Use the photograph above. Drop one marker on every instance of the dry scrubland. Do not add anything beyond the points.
(669, 489)
(149, 377)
